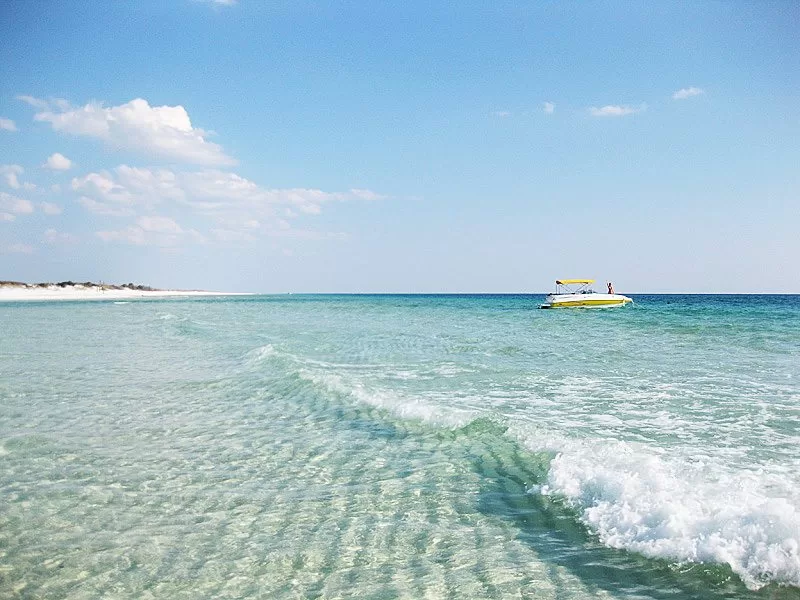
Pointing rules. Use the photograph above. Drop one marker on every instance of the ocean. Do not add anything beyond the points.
(400, 447)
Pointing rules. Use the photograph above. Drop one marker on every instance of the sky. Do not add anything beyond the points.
(401, 147)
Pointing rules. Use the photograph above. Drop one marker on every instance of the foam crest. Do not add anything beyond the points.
(262, 353)
(639, 500)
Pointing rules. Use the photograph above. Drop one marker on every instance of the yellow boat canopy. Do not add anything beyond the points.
(573, 281)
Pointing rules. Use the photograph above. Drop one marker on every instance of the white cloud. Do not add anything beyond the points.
(51, 236)
(103, 186)
(549, 107)
(131, 235)
(615, 110)
(501, 113)
(7, 124)
(126, 189)
(12, 204)
(34, 102)
(10, 173)
(362, 194)
(234, 208)
(684, 93)
(229, 235)
(58, 162)
(101, 208)
(6, 217)
(159, 225)
(49, 208)
(160, 131)
(152, 231)
(162, 184)
(16, 249)
(218, 194)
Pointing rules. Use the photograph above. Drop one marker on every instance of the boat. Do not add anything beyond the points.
(576, 293)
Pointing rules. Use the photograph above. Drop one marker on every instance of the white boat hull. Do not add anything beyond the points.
(590, 300)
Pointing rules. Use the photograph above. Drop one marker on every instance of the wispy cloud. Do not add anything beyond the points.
(105, 209)
(49, 208)
(158, 131)
(7, 124)
(549, 107)
(207, 191)
(11, 174)
(616, 110)
(51, 236)
(17, 249)
(153, 230)
(159, 224)
(36, 102)
(231, 235)
(501, 113)
(234, 207)
(132, 235)
(685, 93)
(58, 162)
(12, 205)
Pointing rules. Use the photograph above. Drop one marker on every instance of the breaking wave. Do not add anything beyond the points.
(632, 496)
(635, 499)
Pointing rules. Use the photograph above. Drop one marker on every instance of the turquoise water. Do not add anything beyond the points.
(400, 447)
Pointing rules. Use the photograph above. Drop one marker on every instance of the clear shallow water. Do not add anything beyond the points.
(400, 446)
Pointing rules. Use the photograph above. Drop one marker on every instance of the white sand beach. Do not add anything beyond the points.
(24, 293)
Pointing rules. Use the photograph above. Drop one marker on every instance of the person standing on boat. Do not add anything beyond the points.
(610, 288)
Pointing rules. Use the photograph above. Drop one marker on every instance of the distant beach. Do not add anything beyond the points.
(15, 291)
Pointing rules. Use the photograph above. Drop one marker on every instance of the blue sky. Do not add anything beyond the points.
(401, 146)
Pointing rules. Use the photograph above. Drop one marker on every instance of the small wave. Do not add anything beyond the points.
(636, 500)
(262, 353)
(391, 401)
(451, 370)
(268, 351)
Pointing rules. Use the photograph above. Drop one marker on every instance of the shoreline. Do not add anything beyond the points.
(25, 293)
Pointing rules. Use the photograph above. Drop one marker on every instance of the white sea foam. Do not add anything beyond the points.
(262, 353)
(637, 499)
(450, 370)
(636, 457)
